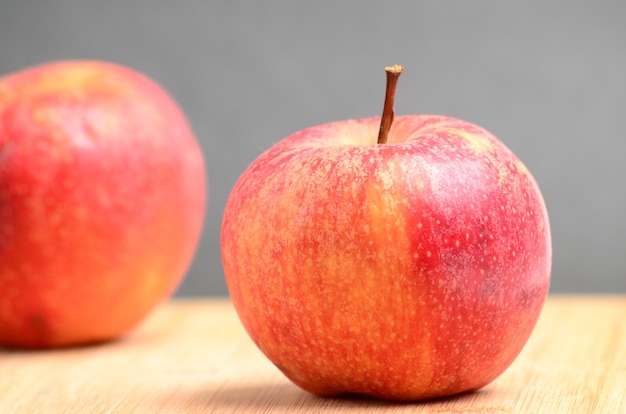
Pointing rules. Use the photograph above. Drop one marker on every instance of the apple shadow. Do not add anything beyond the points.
(130, 339)
(8, 350)
(288, 397)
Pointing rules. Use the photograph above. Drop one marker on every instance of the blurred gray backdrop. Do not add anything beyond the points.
(548, 78)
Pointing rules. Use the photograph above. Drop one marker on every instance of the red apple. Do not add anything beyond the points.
(102, 199)
(407, 269)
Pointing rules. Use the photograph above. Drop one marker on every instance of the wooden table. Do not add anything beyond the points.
(192, 356)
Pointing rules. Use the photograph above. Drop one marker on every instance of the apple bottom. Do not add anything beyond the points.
(87, 265)
(83, 308)
(452, 346)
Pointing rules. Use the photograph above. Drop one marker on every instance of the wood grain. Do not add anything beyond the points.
(192, 356)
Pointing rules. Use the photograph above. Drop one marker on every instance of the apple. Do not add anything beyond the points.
(102, 200)
(404, 267)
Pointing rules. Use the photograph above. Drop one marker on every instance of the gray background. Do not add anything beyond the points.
(548, 78)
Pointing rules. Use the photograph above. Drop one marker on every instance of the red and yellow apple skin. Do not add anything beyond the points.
(102, 200)
(408, 270)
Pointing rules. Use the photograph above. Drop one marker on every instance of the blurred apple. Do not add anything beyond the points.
(402, 259)
(102, 200)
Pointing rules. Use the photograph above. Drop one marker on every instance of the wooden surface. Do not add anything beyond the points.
(194, 357)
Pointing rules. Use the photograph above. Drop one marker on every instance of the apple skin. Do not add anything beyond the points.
(409, 270)
(102, 201)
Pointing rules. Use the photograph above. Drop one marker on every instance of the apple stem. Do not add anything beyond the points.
(393, 73)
